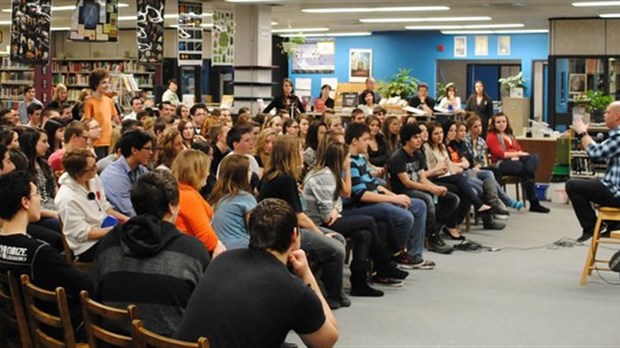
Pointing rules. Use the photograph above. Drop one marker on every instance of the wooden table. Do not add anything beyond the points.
(545, 148)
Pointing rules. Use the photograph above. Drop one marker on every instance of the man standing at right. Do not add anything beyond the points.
(606, 192)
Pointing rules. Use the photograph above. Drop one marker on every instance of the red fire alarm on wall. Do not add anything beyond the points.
(440, 48)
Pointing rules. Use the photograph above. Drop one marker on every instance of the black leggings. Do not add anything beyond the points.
(459, 185)
(364, 234)
(525, 168)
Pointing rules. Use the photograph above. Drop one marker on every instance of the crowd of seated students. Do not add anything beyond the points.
(177, 189)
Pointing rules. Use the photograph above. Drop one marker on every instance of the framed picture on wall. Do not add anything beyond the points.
(460, 46)
(360, 64)
(577, 83)
(482, 46)
(503, 45)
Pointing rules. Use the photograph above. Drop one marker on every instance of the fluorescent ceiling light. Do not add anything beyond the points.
(298, 30)
(7, 10)
(362, 33)
(63, 8)
(609, 15)
(375, 9)
(516, 31)
(274, 23)
(5, 22)
(252, 1)
(422, 20)
(166, 16)
(60, 28)
(596, 3)
(121, 4)
(469, 26)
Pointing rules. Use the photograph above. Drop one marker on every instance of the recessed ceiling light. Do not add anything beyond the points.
(609, 15)
(376, 9)
(596, 3)
(362, 33)
(468, 26)
(516, 31)
(298, 30)
(422, 20)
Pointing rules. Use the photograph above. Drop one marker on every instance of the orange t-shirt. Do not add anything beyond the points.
(195, 216)
(103, 110)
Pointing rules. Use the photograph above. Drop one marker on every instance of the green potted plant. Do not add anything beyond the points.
(596, 105)
(441, 90)
(401, 84)
(289, 47)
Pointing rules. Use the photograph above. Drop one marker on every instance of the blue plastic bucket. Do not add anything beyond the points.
(541, 191)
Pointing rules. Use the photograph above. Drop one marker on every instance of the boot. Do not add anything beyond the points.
(489, 187)
(530, 189)
(489, 224)
(359, 280)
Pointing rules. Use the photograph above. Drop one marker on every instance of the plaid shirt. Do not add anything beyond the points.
(609, 150)
(480, 155)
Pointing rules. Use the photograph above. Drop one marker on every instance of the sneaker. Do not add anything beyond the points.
(436, 244)
(385, 281)
(424, 264)
(500, 217)
(404, 261)
(394, 273)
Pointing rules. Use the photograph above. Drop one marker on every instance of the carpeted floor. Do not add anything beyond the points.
(525, 294)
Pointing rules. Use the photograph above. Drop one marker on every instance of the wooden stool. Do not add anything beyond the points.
(604, 214)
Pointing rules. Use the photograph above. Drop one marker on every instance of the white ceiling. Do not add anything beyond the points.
(287, 13)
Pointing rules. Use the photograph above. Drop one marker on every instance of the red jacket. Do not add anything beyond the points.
(496, 149)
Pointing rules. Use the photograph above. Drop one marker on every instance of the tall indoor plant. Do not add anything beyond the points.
(401, 84)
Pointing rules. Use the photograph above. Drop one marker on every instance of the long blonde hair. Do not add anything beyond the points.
(232, 179)
(165, 146)
(285, 158)
(191, 167)
(260, 143)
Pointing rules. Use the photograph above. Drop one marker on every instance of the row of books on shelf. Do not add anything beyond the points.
(11, 92)
(79, 81)
(16, 75)
(86, 67)
(5, 63)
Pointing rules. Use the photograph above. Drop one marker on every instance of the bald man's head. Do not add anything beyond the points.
(612, 115)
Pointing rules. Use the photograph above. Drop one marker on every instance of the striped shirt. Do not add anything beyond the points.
(609, 150)
(361, 179)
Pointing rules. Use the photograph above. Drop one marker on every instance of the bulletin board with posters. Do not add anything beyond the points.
(95, 20)
(315, 57)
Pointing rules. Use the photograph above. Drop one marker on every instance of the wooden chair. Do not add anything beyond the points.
(82, 266)
(144, 338)
(93, 312)
(512, 179)
(38, 316)
(604, 214)
(14, 317)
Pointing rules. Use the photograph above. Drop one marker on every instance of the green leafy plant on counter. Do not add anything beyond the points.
(401, 84)
(597, 101)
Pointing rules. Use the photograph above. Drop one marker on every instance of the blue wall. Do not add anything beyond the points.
(417, 51)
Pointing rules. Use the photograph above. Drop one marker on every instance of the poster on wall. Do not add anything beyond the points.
(460, 46)
(150, 31)
(503, 45)
(30, 31)
(360, 64)
(95, 20)
(315, 57)
(222, 37)
(189, 33)
(482, 46)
